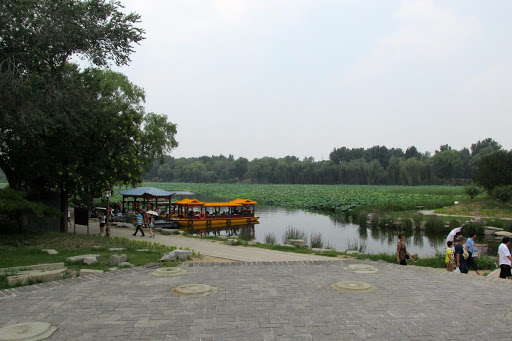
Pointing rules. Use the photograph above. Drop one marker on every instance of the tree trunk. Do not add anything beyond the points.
(63, 210)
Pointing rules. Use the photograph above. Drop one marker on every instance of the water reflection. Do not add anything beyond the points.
(336, 232)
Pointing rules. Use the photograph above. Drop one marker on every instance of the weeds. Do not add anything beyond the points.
(293, 233)
(270, 239)
(316, 240)
(356, 245)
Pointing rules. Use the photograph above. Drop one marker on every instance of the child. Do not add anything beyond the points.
(450, 264)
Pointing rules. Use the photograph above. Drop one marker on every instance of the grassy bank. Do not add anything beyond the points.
(26, 249)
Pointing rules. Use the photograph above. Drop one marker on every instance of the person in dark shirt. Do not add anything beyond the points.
(460, 260)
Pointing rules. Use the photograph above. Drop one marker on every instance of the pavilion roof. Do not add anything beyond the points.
(146, 192)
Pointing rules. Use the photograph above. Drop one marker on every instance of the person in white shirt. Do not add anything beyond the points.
(504, 259)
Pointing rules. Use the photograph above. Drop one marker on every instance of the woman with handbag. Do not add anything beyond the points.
(401, 251)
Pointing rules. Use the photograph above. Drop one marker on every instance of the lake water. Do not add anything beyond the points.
(336, 233)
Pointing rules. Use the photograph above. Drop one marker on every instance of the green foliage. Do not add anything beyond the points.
(472, 191)
(455, 223)
(475, 226)
(494, 170)
(502, 193)
(14, 206)
(417, 218)
(434, 224)
(362, 218)
(357, 245)
(407, 223)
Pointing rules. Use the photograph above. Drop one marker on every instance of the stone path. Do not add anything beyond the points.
(268, 301)
(209, 247)
(307, 299)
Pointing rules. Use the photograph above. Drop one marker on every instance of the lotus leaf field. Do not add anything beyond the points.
(333, 198)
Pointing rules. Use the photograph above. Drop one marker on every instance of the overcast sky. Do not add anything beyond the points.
(275, 78)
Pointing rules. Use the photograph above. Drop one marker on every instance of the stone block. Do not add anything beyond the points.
(90, 272)
(232, 242)
(90, 260)
(36, 276)
(79, 259)
(116, 249)
(177, 255)
(300, 243)
(49, 266)
(116, 259)
(125, 265)
(51, 251)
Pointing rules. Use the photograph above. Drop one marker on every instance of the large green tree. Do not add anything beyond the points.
(64, 129)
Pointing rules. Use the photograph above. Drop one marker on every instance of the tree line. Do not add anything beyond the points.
(377, 165)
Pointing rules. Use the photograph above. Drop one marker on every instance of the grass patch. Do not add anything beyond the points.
(26, 249)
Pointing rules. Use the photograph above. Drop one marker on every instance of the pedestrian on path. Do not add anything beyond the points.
(450, 263)
(401, 251)
(504, 259)
(470, 248)
(460, 260)
(138, 222)
(102, 222)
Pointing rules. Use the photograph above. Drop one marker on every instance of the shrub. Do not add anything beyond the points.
(246, 233)
(417, 218)
(502, 193)
(475, 226)
(407, 223)
(455, 223)
(293, 233)
(375, 219)
(362, 218)
(472, 191)
(316, 240)
(434, 224)
(270, 239)
(359, 246)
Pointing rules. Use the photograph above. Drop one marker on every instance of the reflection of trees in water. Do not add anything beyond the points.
(375, 232)
(363, 232)
(436, 239)
(338, 219)
(391, 237)
(246, 232)
(418, 238)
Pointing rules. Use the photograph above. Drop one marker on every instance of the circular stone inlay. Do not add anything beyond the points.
(353, 286)
(27, 331)
(194, 289)
(168, 272)
(362, 268)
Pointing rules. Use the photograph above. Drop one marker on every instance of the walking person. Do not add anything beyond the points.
(460, 260)
(401, 251)
(450, 263)
(504, 259)
(102, 218)
(139, 221)
(150, 225)
(470, 248)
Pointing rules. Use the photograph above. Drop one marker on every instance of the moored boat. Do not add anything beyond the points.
(193, 213)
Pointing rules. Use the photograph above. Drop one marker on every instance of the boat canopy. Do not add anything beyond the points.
(244, 202)
(190, 202)
(222, 204)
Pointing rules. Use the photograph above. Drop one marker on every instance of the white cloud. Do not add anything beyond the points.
(424, 32)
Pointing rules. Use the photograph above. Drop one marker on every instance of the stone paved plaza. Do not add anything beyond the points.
(268, 301)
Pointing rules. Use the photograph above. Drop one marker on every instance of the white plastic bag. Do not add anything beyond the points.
(457, 270)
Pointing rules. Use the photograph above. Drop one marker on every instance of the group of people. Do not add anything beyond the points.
(144, 220)
(460, 253)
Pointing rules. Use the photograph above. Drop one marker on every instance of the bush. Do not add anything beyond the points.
(316, 240)
(293, 233)
(472, 191)
(417, 219)
(475, 226)
(270, 239)
(407, 223)
(455, 223)
(434, 224)
(502, 193)
(362, 218)
(375, 219)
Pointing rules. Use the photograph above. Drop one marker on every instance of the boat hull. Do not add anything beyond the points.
(194, 223)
